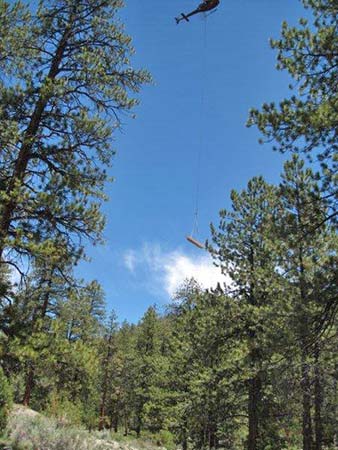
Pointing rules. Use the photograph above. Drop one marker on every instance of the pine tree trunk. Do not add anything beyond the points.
(43, 312)
(105, 382)
(335, 408)
(305, 381)
(126, 430)
(318, 403)
(255, 384)
(306, 392)
(254, 397)
(114, 420)
(28, 387)
(185, 435)
(102, 413)
(138, 428)
(212, 436)
(212, 427)
(116, 423)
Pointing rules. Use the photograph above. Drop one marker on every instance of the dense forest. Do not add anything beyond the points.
(251, 364)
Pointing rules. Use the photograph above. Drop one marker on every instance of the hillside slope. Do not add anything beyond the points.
(29, 430)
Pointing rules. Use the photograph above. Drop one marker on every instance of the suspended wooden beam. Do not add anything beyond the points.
(195, 242)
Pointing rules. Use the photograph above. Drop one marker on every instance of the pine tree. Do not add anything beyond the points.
(308, 262)
(83, 313)
(125, 387)
(147, 352)
(68, 77)
(107, 381)
(202, 345)
(244, 249)
(27, 318)
(307, 121)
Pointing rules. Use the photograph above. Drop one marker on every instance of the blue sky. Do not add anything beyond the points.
(152, 200)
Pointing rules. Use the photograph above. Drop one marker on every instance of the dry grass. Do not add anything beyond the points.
(29, 430)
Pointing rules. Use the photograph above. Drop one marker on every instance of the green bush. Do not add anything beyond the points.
(65, 411)
(166, 439)
(5, 400)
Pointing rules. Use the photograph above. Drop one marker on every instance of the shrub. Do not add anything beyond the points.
(30, 431)
(166, 439)
(66, 412)
(5, 400)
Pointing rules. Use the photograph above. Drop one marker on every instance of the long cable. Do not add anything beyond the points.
(202, 143)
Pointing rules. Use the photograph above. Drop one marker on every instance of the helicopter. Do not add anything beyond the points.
(206, 5)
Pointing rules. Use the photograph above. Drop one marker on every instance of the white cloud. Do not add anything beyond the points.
(181, 267)
(129, 260)
(167, 270)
